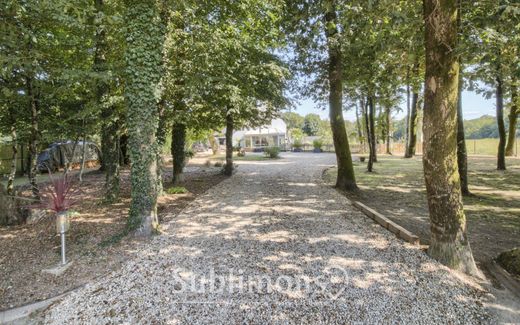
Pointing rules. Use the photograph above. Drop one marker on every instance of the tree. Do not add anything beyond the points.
(293, 120)
(145, 39)
(449, 242)
(514, 111)
(311, 124)
(314, 32)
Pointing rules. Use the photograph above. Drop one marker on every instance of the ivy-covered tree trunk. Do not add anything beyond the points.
(228, 167)
(372, 158)
(34, 108)
(449, 241)
(178, 152)
(513, 119)
(145, 39)
(346, 179)
(501, 156)
(462, 153)
(110, 119)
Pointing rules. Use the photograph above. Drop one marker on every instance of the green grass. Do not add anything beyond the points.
(396, 188)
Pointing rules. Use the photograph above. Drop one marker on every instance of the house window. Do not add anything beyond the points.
(260, 141)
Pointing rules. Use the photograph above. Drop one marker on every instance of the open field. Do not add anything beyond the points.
(396, 189)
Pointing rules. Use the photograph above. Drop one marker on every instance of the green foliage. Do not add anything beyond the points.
(293, 120)
(312, 124)
(176, 190)
(297, 144)
(317, 144)
(272, 152)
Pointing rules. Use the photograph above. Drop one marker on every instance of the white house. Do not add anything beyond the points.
(272, 135)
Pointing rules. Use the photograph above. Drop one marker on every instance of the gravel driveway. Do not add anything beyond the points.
(273, 245)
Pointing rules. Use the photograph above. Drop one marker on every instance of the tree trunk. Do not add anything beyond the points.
(346, 179)
(408, 108)
(228, 167)
(161, 140)
(412, 129)
(359, 127)
(83, 157)
(124, 158)
(144, 50)
(501, 157)
(388, 115)
(371, 134)
(35, 137)
(513, 118)
(109, 117)
(449, 242)
(12, 173)
(462, 154)
(178, 152)
(367, 125)
(412, 122)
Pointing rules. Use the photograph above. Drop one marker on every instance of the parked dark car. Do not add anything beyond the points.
(57, 155)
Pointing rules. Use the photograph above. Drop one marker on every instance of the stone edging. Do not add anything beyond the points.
(399, 231)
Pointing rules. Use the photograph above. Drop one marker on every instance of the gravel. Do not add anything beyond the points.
(273, 245)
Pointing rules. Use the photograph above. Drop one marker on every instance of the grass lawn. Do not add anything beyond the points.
(396, 189)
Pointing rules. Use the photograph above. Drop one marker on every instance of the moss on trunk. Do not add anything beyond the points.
(449, 241)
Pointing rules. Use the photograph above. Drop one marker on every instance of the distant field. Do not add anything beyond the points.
(485, 147)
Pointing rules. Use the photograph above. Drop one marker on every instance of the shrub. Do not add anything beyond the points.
(298, 144)
(177, 190)
(272, 152)
(317, 144)
(219, 164)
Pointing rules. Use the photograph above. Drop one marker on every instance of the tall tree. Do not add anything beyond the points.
(145, 39)
(314, 29)
(514, 111)
(462, 153)
(449, 240)
(346, 179)
(499, 95)
(110, 122)
(414, 108)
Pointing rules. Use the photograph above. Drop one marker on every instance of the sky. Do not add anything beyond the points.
(473, 106)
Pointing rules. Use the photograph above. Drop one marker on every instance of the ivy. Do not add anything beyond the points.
(144, 38)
